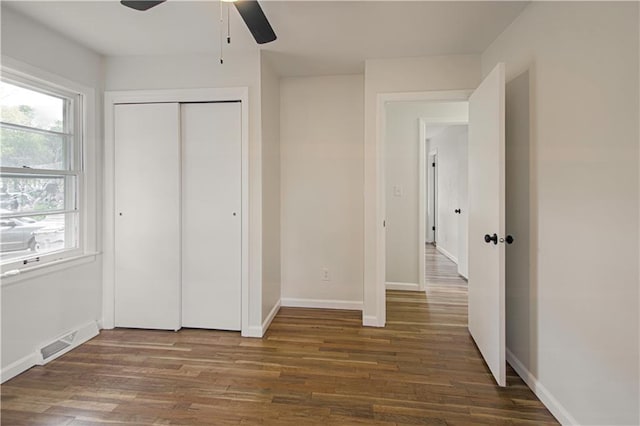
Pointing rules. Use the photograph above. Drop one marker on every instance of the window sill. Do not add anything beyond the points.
(15, 276)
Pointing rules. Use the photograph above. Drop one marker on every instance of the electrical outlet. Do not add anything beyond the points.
(325, 275)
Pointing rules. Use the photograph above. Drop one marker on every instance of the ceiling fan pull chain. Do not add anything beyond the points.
(228, 26)
(221, 32)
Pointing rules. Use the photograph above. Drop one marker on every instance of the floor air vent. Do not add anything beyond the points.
(57, 346)
(65, 343)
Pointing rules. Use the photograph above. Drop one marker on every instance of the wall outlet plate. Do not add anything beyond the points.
(325, 274)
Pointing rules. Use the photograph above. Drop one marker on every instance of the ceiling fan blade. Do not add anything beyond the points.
(256, 21)
(141, 4)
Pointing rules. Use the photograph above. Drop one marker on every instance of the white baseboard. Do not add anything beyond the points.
(559, 412)
(83, 334)
(403, 286)
(259, 331)
(322, 304)
(267, 321)
(252, 331)
(371, 321)
(447, 254)
(20, 366)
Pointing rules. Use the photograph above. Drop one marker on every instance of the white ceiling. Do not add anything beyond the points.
(314, 37)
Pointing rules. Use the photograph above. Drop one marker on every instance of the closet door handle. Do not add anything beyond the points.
(457, 211)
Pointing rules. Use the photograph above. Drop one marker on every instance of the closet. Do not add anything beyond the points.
(178, 215)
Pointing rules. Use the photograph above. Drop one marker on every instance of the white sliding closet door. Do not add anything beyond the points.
(211, 215)
(147, 222)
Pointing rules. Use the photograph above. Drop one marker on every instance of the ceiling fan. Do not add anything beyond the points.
(249, 10)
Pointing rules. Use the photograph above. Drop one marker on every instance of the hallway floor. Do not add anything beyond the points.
(439, 269)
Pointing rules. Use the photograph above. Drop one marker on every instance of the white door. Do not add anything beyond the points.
(487, 217)
(211, 215)
(147, 216)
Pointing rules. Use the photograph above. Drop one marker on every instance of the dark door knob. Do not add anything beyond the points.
(509, 239)
(488, 238)
(457, 211)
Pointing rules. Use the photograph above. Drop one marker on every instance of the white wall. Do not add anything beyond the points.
(451, 144)
(270, 100)
(321, 190)
(520, 300)
(579, 336)
(398, 75)
(402, 142)
(29, 41)
(205, 71)
(38, 309)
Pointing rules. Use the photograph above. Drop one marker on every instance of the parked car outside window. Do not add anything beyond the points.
(16, 234)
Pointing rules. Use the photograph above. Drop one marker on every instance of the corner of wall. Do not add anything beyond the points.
(270, 160)
(558, 411)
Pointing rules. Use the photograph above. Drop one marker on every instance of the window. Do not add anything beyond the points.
(40, 173)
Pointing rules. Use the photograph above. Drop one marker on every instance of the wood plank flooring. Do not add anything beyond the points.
(314, 367)
(439, 269)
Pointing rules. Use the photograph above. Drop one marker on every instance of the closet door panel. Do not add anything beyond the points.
(147, 216)
(211, 215)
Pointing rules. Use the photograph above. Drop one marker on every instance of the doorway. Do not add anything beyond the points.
(486, 165)
(419, 137)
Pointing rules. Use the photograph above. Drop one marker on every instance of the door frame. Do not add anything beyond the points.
(382, 99)
(423, 189)
(427, 190)
(111, 98)
(431, 192)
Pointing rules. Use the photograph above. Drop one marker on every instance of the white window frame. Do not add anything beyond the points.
(83, 167)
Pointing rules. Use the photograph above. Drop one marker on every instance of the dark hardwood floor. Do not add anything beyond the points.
(313, 367)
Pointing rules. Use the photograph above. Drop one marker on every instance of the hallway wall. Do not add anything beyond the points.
(451, 167)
